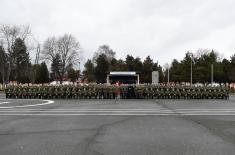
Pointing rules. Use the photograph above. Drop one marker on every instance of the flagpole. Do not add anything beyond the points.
(168, 75)
(191, 80)
(212, 74)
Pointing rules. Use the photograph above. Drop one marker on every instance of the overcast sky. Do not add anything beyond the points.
(163, 29)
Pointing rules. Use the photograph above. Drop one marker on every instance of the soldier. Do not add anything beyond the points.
(214, 93)
(64, 92)
(161, 92)
(73, 92)
(51, 91)
(83, 92)
(30, 92)
(93, 91)
(88, 91)
(172, 93)
(101, 91)
(151, 92)
(225, 93)
(123, 92)
(106, 93)
(113, 90)
(209, 93)
(44, 92)
(167, 93)
(20, 92)
(158, 92)
(155, 95)
(55, 93)
(146, 92)
(69, 92)
(138, 92)
(191, 93)
(177, 93)
(7, 92)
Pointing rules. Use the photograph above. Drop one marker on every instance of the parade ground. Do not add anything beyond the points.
(121, 127)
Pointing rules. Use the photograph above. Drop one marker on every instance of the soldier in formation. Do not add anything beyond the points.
(102, 91)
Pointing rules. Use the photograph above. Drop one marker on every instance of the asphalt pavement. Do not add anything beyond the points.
(101, 127)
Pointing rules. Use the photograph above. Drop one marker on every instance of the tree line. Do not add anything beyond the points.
(205, 65)
(104, 61)
(62, 55)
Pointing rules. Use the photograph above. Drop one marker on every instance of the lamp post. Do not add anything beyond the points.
(212, 74)
(79, 66)
(166, 66)
(79, 76)
(168, 76)
(191, 70)
(191, 79)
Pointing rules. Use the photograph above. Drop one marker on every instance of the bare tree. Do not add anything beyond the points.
(68, 49)
(8, 35)
(106, 50)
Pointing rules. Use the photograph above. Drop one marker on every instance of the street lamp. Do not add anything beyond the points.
(168, 73)
(79, 66)
(191, 69)
(168, 76)
(212, 74)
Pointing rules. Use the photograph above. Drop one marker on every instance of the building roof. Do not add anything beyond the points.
(123, 73)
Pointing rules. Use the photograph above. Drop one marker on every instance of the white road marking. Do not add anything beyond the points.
(153, 109)
(100, 111)
(4, 102)
(116, 112)
(125, 114)
(31, 105)
(120, 110)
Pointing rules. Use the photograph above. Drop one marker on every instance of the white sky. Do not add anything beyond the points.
(163, 29)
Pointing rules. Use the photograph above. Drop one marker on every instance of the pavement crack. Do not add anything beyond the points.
(230, 138)
(166, 107)
(217, 131)
(92, 139)
(12, 132)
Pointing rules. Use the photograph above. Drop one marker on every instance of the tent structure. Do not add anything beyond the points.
(123, 78)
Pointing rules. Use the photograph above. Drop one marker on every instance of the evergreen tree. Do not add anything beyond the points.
(118, 65)
(102, 68)
(89, 72)
(130, 63)
(73, 74)
(176, 71)
(186, 68)
(148, 67)
(232, 69)
(138, 65)
(21, 62)
(42, 73)
(56, 69)
(203, 68)
(226, 70)
(3, 62)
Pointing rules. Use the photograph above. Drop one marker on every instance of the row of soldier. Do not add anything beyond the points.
(113, 92)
